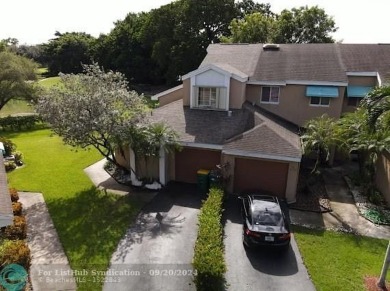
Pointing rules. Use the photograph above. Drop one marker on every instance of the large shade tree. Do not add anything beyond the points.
(93, 109)
(17, 74)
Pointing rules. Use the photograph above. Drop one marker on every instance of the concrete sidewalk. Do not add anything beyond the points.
(344, 215)
(50, 268)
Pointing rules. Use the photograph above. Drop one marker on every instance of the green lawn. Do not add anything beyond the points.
(89, 222)
(16, 107)
(49, 82)
(338, 261)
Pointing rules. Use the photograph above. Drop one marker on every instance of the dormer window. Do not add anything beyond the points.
(210, 98)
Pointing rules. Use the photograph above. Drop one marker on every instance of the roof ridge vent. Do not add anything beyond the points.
(271, 46)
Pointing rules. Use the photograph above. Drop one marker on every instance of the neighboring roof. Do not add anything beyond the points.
(246, 131)
(163, 93)
(325, 62)
(6, 214)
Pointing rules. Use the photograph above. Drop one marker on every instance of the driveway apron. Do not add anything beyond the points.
(157, 251)
(260, 269)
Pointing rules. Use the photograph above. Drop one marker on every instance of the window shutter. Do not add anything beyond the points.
(222, 92)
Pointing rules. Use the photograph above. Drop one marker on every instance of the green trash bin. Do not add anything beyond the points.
(215, 179)
(203, 181)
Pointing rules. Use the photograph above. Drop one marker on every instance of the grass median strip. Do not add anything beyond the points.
(209, 261)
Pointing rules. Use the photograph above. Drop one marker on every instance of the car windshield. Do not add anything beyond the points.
(266, 213)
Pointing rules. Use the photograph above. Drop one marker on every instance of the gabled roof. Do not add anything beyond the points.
(222, 68)
(246, 132)
(6, 214)
(243, 57)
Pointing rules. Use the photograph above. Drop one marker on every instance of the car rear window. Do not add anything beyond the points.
(266, 213)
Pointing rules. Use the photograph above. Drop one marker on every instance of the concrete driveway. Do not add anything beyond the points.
(260, 269)
(154, 256)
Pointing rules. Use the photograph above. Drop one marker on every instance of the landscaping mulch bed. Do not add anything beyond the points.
(311, 193)
(370, 284)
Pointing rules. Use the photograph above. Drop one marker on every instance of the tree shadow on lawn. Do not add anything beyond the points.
(90, 225)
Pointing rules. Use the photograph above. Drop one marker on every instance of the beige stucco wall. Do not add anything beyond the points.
(294, 106)
(383, 175)
(186, 92)
(170, 97)
(237, 94)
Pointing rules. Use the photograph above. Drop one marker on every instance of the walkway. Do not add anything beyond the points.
(345, 215)
(50, 268)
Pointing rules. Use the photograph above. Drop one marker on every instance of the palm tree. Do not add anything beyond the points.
(320, 136)
(377, 104)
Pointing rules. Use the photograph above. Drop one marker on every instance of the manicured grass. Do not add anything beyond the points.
(339, 261)
(89, 222)
(16, 107)
(49, 82)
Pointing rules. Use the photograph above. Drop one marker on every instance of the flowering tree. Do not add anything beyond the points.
(94, 109)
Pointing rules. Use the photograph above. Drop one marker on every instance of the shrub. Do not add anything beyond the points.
(17, 208)
(18, 158)
(15, 252)
(9, 146)
(9, 166)
(18, 230)
(16, 123)
(14, 195)
(209, 261)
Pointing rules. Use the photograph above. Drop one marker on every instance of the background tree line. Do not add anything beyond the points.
(159, 46)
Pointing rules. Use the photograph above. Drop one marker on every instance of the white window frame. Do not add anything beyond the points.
(270, 93)
(319, 104)
(217, 93)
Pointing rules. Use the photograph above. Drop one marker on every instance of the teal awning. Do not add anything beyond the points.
(322, 91)
(358, 91)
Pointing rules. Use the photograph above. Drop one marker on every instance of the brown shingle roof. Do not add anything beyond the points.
(243, 57)
(304, 62)
(326, 62)
(202, 126)
(367, 58)
(245, 130)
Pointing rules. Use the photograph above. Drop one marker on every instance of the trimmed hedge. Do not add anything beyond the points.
(15, 252)
(209, 261)
(16, 123)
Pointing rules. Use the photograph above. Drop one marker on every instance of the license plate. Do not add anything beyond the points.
(269, 238)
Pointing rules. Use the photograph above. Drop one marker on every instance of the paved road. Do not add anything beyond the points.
(260, 269)
(155, 256)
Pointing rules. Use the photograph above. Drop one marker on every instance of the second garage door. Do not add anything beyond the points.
(250, 174)
(190, 160)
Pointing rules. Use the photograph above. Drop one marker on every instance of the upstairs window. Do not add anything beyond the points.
(207, 97)
(270, 94)
(320, 101)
